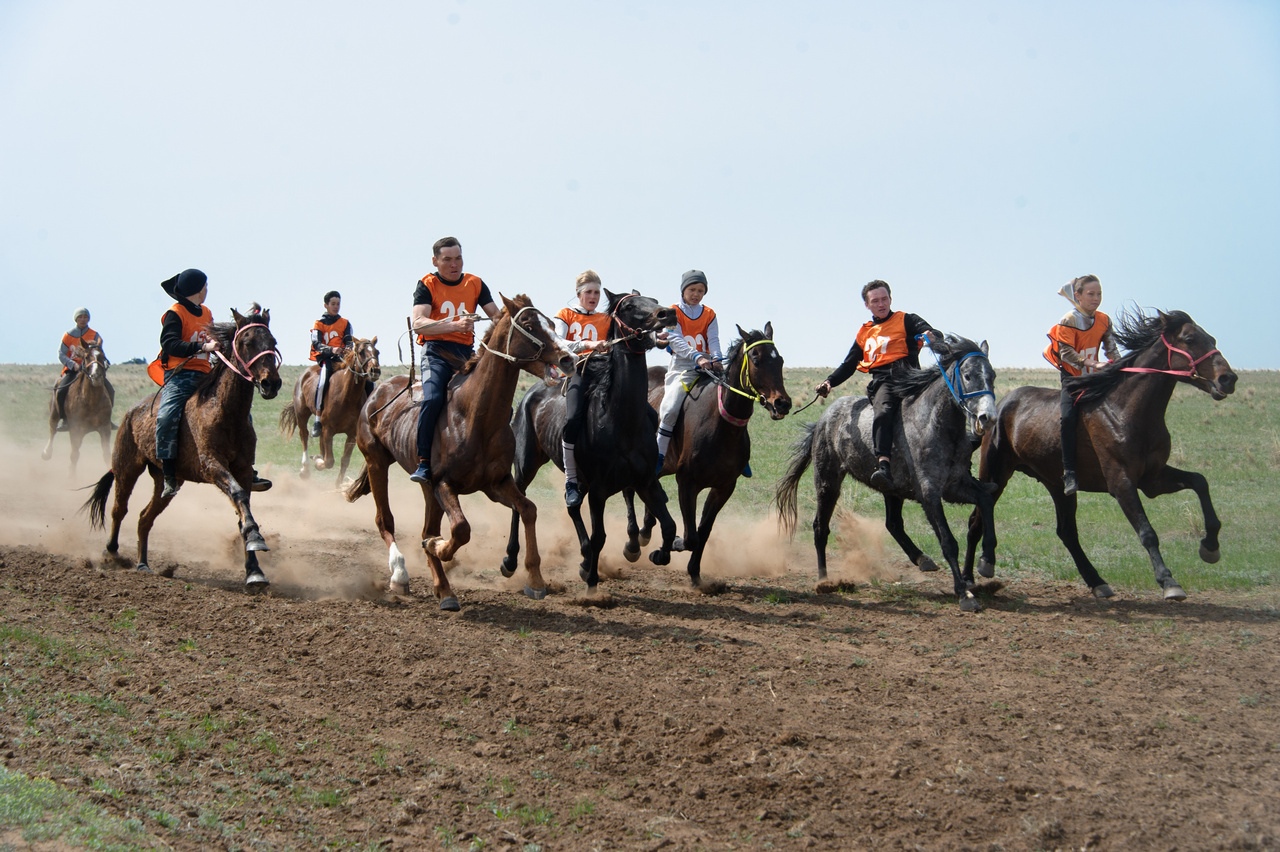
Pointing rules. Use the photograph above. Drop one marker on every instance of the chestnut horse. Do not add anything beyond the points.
(87, 406)
(350, 384)
(1123, 443)
(473, 447)
(618, 448)
(216, 441)
(711, 446)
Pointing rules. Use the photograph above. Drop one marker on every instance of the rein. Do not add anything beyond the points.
(1189, 373)
(517, 327)
(245, 365)
(744, 379)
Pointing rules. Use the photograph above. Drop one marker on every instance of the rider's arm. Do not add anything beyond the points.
(171, 342)
(847, 367)
(64, 356)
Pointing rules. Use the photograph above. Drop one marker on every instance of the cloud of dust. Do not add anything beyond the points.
(861, 556)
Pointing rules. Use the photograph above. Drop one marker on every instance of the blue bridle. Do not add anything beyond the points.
(956, 388)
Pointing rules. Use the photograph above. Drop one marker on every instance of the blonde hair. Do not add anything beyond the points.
(585, 279)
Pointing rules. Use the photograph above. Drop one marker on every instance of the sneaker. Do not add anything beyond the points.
(662, 457)
(572, 496)
(171, 487)
(422, 474)
(315, 428)
(746, 471)
(881, 478)
(259, 484)
(1069, 486)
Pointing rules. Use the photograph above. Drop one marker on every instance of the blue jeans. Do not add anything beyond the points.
(436, 373)
(179, 385)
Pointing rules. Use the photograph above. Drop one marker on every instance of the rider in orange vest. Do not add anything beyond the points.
(71, 355)
(444, 305)
(888, 342)
(584, 330)
(694, 346)
(1074, 345)
(330, 337)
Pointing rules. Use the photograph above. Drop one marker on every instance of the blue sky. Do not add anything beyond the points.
(976, 155)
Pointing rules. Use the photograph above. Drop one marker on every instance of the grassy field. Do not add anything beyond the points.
(1235, 443)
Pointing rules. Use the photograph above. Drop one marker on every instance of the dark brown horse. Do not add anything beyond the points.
(473, 447)
(1123, 443)
(711, 446)
(216, 441)
(87, 407)
(350, 384)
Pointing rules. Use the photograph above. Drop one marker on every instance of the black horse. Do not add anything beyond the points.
(618, 448)
(1122, 441)
(931, 455)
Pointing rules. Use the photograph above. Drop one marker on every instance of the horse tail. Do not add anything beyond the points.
(288, 420)
(360, 487)
(96, 505)
(785, 495)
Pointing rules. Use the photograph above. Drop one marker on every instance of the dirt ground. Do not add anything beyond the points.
(757, 714)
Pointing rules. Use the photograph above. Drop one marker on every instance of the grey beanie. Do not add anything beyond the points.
(79, 313)
(693, 276)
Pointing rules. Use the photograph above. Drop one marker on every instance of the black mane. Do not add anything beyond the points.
(910, 383)
(1135, 332)
(225, 334)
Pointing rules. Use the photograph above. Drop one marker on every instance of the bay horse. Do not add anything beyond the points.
(350, 384)
(932, 452)
(711, 446)
(216, 440)
(473, 447)
(1123, 443)
(618, 448)
(87, 407)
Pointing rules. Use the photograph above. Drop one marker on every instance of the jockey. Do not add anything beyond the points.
(330, 339)
(1074, 344)
(696, 346)
(71, 354)
(444, 305)
(886, 343)
(584, 330)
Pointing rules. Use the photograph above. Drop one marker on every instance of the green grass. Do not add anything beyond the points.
(1234, 443)
(45, 813)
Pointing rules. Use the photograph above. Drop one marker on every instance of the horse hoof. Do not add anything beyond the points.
(924, 563)
(644, 537)
(1102, 591)
(1174, 593)
(304, 472)
(46, 454)
(143, 568)
(631, 554)
(536, 594)
(398, 588)
(986, 569)
(1210, 556)
(256, 580)
(582, 573)
(969, 603)
(319, 463)
(255, 544)
(677, 545)
(660, 557)
(450, 604)
(508, 567)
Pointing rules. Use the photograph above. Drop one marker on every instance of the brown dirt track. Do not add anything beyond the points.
(760, 715)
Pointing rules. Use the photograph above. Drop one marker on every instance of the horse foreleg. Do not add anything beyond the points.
(508, 567)
(655, 501)
(716, 500)
(893, 523)
(441, 500)
(1171, 480)
(591, 547)
(1064, 508)
(77, 437)
(385, 521)
(147, 518)
(249, 531)
(105, 434)
(1131, 504)
(508, 494)
(827, 481)
(631, 550)
(937, 516)
(347, 446)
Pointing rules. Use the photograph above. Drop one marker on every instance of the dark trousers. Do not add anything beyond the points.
(884, 413)
(60, 390)
(575, 408)
(439, 363)
(1067, 422)
(179, 385)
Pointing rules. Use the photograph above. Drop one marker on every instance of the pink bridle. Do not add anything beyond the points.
(245, 365)
(1190, 372)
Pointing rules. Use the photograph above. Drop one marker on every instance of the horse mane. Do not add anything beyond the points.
(225, 334)
(1134, 331)
(520, 301)
(910, 383)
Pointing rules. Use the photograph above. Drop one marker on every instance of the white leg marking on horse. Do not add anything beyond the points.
(395, 561)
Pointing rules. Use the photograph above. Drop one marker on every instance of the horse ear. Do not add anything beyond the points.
(510, 305)
(983, 347)
(375, 340)
(265, 316)
(741, 333)
(239, 318)
(635, 292)
(610, 296)
(768, 330)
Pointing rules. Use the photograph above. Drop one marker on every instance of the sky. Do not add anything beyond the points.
(975, 155)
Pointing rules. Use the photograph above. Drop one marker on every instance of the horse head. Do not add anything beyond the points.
(254, 350)
(761, 371)
(362, 358)
(94, 363)
(524, 335)
(1206, 367)
(970, 378)
(637, 315)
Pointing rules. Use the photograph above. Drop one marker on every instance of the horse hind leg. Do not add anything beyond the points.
(950, 552)
(898, 530)
(438, 550)
(1065, 511)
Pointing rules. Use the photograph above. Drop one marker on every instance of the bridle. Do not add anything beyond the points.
(362, 369)
(1189, 373)
(243, 371)
(746, 387)
(514, 326)
(956, 388)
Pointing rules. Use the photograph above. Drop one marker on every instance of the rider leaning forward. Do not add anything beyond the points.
(584, 330)
(444, 305)
(71, 354)
(330, 338)
(1074, 344)
(888, 342)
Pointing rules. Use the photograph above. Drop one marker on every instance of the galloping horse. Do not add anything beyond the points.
(216, 441)
(473, 447)
(931, 462)
(711, 446)
(618, 449)
(349, 387)
(87, 407)
(1123, 441)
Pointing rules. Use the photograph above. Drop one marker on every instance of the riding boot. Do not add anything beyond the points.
(1069, 485)
(259, 484)
(881, 478)
(315, 427)
(168, 467)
